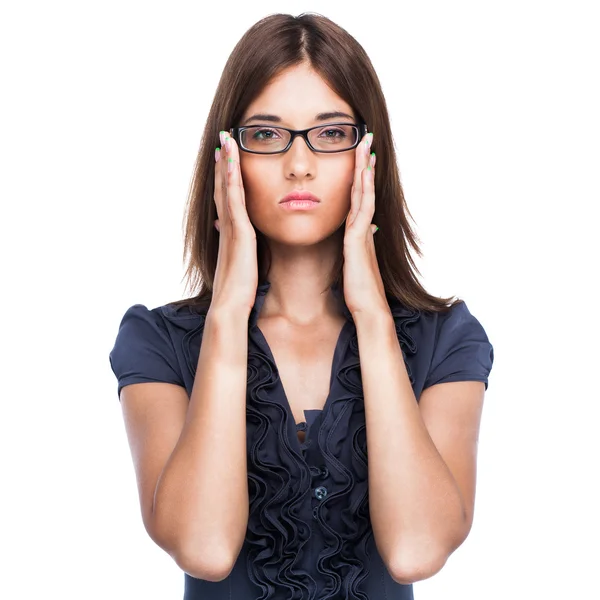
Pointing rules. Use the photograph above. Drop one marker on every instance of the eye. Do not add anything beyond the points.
(333, 133)
(265, 134)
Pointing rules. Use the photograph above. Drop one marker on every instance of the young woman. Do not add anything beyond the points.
(305, 426)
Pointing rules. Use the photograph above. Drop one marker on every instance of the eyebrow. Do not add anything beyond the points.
(324, 116)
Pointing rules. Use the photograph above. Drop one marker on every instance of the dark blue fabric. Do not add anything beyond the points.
(309, 534)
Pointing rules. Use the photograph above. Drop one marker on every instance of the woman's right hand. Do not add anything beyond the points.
(236, 276)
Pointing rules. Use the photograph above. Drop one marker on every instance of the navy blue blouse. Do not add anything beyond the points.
(309, 534)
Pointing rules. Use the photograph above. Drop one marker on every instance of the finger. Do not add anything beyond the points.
(366, 211)
(220, 191)
(360, 160)
(235, 188)
(218, 194)
(237, 178)
(225, 221)
(360, 163)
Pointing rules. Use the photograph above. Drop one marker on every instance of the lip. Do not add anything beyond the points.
(299, 195)
(298, 205)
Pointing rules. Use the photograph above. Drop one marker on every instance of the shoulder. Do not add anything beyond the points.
(181, 315)
(166, 322)
(461, 347)
(459, 323)
(140, 321)
(445, 345)
(142, 351)
(456, 321)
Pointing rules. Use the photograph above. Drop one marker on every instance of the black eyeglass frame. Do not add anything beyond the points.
(361, 126)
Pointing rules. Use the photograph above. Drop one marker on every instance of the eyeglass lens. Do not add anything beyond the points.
(329, 138)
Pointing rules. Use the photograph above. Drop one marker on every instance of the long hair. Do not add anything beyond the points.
(271, 45)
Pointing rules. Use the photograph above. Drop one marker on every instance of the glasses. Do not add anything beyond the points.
(264, 139)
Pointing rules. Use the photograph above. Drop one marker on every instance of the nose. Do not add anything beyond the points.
(300, 159)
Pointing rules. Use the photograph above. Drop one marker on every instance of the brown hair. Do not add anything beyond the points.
(271, 45)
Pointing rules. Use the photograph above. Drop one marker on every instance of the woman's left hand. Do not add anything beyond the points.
(363, 287)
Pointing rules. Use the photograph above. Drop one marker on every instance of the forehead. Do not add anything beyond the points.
(297, 95)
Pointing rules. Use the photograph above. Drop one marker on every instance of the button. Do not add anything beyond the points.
(320, 492)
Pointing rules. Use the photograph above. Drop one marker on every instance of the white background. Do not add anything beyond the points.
(494, 109)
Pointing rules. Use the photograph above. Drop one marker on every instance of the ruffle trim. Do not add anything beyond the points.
(281, 481)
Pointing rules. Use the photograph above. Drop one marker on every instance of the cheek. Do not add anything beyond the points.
(343, 179)
(252, 179)
(350, 178)
(344, 172)
(339, 192)
(249, 176)
(257, 185)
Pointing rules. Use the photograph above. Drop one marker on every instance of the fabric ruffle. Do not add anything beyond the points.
(192, 322)
(346, 521)
(280, 503)
(405, 319)
(281, 481)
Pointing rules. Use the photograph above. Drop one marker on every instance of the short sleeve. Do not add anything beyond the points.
(462, 351)
(143, 351)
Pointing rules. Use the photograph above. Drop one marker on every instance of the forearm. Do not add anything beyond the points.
(415, 504)
(201, 498)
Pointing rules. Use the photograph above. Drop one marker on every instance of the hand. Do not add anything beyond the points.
(363, 286)
(236, 276)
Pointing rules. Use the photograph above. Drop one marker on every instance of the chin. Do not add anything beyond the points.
(300, 236)
(298, 239)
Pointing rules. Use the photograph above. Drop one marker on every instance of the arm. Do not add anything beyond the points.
(193, 466)
(419, 513)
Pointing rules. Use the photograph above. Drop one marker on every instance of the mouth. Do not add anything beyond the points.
(299, 197)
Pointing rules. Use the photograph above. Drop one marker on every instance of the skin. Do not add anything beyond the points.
(303, 244)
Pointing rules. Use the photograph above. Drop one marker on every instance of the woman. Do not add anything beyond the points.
(305, 426)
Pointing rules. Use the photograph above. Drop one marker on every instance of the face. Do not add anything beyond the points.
(297, 96)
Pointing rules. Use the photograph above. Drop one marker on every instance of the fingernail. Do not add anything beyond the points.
(376, 229)
(217, 154)
(372, 159)
(228, 144)
(222, 137)
(230, 165)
